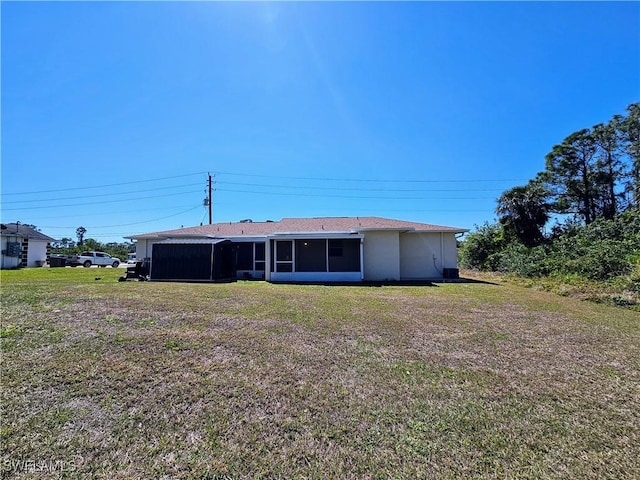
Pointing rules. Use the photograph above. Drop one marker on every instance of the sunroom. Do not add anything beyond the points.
(313, 258)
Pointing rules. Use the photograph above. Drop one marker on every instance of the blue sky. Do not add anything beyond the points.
(113, 113)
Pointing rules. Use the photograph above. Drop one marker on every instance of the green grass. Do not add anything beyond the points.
(623, 291)
(254, 380)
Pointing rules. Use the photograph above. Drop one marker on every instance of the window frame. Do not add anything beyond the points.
(287, 265)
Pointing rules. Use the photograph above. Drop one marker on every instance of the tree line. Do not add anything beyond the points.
(590, 187)
(69, 246)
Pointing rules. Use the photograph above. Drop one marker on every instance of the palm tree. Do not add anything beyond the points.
(80, 231)
(523, 211)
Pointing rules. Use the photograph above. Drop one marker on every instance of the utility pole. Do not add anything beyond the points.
(210, 201)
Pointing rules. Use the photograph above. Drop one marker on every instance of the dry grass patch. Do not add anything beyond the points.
(252, 380)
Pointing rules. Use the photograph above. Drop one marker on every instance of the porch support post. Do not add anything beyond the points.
(362, 259)
(267, 259)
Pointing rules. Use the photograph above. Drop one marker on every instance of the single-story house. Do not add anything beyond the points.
(23, 246)
(326, 249)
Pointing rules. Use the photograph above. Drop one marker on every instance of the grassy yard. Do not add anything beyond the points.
(102, 379)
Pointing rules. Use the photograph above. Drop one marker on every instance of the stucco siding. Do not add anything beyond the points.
(315, 277)
(382, 256)
(143, 248)
(450, 250)
(425, 255)
(420, 256)
(37, 253)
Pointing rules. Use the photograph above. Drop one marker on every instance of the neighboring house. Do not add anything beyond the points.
(23, 246)
(329, 249)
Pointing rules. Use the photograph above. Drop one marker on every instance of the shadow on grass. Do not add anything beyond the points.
(471, 280)
(421, 283)
(392, 283)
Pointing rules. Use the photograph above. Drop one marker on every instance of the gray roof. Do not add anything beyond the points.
(301, 225)
(24, 231)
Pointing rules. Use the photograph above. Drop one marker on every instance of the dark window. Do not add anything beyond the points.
(335, 248)
(284, 267)
(311, 255)
(284, 256)
(260, 257)
(260, 252)
(245, 256)
(284, 251)
(344, 255)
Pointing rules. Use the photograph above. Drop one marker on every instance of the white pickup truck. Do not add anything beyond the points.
(86, 259)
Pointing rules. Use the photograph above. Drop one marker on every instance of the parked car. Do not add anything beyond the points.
(86, 259)
(131, 258)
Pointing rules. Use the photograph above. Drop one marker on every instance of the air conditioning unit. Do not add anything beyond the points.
(452, 273)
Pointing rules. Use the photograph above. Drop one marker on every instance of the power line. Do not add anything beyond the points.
(138, 210)
(102, 194)
(133, 223)
(333, 191)
(106, 201)
(347, 189)
(352, 196)
(363, 180)
(107, 185)
(325, 179)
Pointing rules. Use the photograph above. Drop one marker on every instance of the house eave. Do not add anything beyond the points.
(384, 229)
(317, 233)
(453, 231)
(178, 235)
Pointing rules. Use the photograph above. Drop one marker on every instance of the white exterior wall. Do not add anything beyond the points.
(420, 256)
(423, 256)
(382, 255)
(143, 248)
(450, 250)
(315, 277)
(37, 252)
(7, 262)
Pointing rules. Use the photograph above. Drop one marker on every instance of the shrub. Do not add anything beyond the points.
(481, 249)
(599, 251)
(602, 250)
(524, 261)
